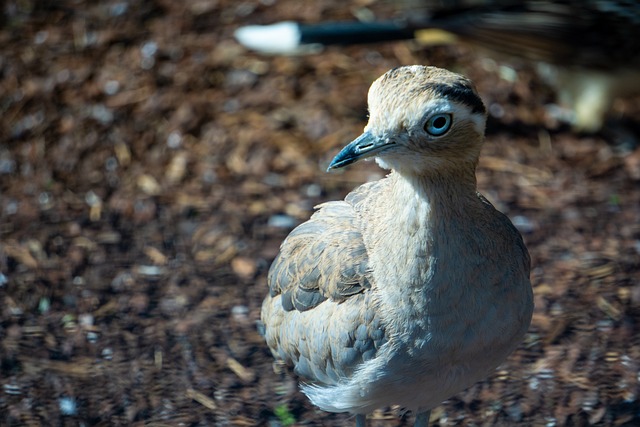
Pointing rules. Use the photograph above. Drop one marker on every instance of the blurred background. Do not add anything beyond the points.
(150, 166)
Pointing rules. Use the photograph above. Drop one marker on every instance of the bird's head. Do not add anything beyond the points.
(421, 119)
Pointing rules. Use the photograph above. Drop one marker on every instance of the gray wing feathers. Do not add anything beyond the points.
(318, 284)
(322, 258)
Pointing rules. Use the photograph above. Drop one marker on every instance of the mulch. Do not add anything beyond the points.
(150, 167)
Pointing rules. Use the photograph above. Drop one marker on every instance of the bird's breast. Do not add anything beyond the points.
(451, 299)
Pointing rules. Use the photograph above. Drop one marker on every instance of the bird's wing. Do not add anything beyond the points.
(572, 32)
(322, 258)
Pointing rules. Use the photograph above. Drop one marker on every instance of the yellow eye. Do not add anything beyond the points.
(438, 124)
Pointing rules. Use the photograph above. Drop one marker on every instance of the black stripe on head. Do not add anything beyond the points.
(459, 92)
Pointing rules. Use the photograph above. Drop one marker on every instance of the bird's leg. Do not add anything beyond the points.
(422, 419)
(360, 420)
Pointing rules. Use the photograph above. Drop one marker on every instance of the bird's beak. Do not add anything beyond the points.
(366, 145)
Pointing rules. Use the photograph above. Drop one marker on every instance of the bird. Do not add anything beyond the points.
(586, 49)
(414, 287)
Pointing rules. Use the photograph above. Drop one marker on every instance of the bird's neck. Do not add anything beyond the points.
(417, 216)
(443, 191)
(416, 210)
(424, 221)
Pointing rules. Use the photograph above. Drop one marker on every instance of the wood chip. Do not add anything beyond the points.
(157, 257)
(148, 185)
(245, 374)
(205, 401)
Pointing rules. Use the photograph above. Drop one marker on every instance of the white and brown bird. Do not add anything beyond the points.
(414, 287)
(588, 50)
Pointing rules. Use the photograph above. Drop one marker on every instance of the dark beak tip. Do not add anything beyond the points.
(335, 165)
(353, 152)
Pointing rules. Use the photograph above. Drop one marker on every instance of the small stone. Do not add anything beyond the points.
(68, 406)
(281, 221)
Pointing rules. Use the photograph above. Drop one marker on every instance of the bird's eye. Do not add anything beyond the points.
(438, 124)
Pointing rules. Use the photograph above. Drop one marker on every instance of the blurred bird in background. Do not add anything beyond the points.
(588, 50)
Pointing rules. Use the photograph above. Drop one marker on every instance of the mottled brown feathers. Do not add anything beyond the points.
(321, 258)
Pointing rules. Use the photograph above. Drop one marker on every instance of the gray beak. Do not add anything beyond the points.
(366, 145)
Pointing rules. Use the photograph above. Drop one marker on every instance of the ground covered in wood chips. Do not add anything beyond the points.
(150, 167)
